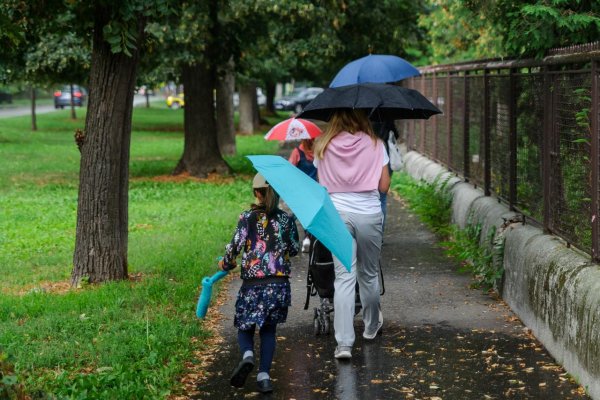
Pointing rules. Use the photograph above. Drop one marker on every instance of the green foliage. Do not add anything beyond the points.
(482, 259)
(463, 30)
(10, 388)
(458, 32)
(430, 201)
(125, 340)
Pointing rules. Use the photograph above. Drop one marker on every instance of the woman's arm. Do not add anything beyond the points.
(294, 157)
(384, 180)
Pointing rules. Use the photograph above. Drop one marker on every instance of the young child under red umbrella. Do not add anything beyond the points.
(302, 157)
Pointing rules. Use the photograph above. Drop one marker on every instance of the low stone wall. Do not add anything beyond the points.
(553, 289)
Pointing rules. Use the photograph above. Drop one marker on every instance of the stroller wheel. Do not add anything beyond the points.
(316, 323)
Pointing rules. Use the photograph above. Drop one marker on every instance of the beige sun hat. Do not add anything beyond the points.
(259, 181)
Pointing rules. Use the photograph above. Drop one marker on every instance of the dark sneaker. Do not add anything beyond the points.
(264, 386)
(241, 372)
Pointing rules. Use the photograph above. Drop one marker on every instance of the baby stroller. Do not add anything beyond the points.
(319, 280)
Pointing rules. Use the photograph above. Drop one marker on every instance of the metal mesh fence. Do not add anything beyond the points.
(441, 122)
(429, 139)
(457, 90)
(499, 123)
(475, 115)
(530, 118)
(540, 119)
(570, 177)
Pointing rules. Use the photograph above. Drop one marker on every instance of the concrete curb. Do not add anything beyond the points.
(553, 289)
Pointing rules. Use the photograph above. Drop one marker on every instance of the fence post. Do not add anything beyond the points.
(595, 162)
(547, 140)
(449, 121)
(487, 165)
(435, 125)
(422, 138)
(466, 134)
(512, 140)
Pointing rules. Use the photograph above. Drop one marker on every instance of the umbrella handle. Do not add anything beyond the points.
(204, 299)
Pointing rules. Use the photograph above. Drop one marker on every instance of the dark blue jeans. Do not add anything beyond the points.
(267, 344)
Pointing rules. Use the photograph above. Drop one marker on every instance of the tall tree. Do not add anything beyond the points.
(193, 39)
(225, 111)
(102, 213)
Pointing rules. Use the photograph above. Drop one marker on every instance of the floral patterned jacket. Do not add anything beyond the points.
(266, 244)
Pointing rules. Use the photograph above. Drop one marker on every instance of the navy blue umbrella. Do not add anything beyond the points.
(374, 68)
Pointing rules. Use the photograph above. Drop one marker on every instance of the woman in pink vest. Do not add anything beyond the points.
(352, 165)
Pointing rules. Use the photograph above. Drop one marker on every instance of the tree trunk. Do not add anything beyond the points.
(270, 98)
(225, 125)
(147, 98)
(73, 114)
(246, 109)
(255, 112)
(102, 215)
(201, 154)
(33, 116)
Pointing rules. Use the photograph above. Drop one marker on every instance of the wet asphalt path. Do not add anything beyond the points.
(441, 339)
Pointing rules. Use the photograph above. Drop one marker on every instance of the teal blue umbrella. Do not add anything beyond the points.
(309, 202)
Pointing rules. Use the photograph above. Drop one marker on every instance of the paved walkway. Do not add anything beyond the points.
(441, 339)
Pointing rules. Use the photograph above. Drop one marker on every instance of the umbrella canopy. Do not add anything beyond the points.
(382, 102)
(310, 202)
(293, 129)
(374, 68)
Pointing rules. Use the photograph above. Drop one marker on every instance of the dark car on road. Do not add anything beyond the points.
(298, 99)
(5, 97)
(62, 97)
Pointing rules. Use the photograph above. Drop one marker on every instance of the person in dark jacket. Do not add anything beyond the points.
(382, 130)
(302, 157)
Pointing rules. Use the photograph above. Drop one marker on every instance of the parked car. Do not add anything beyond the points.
(5, 97)
(175, 101)
(298, 99)
(62, 97)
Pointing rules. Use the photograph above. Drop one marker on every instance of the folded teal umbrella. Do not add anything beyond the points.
(309, 202)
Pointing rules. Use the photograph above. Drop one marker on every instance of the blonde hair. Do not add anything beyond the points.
(346, 119)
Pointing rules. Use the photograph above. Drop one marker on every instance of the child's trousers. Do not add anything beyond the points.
(267, 344)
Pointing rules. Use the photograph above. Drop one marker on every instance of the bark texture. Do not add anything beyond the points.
(225, 125)
(247, 110)
(102, 214)
(201, 154)
(33, 114)
(270, 98)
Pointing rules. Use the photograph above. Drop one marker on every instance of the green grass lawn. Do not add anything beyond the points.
(122, 340)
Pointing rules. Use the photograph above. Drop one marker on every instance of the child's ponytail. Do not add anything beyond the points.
(270, 201)
(270, 198)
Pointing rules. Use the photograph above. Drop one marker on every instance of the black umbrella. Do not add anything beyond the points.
(381, 101)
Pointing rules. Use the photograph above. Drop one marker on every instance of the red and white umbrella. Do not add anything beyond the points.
(293, 129)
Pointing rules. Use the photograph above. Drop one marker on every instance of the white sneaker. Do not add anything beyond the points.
(343, 352)
(305, 245)
(370, 336)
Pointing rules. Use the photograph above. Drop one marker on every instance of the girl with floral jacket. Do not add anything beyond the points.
(266, 237)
